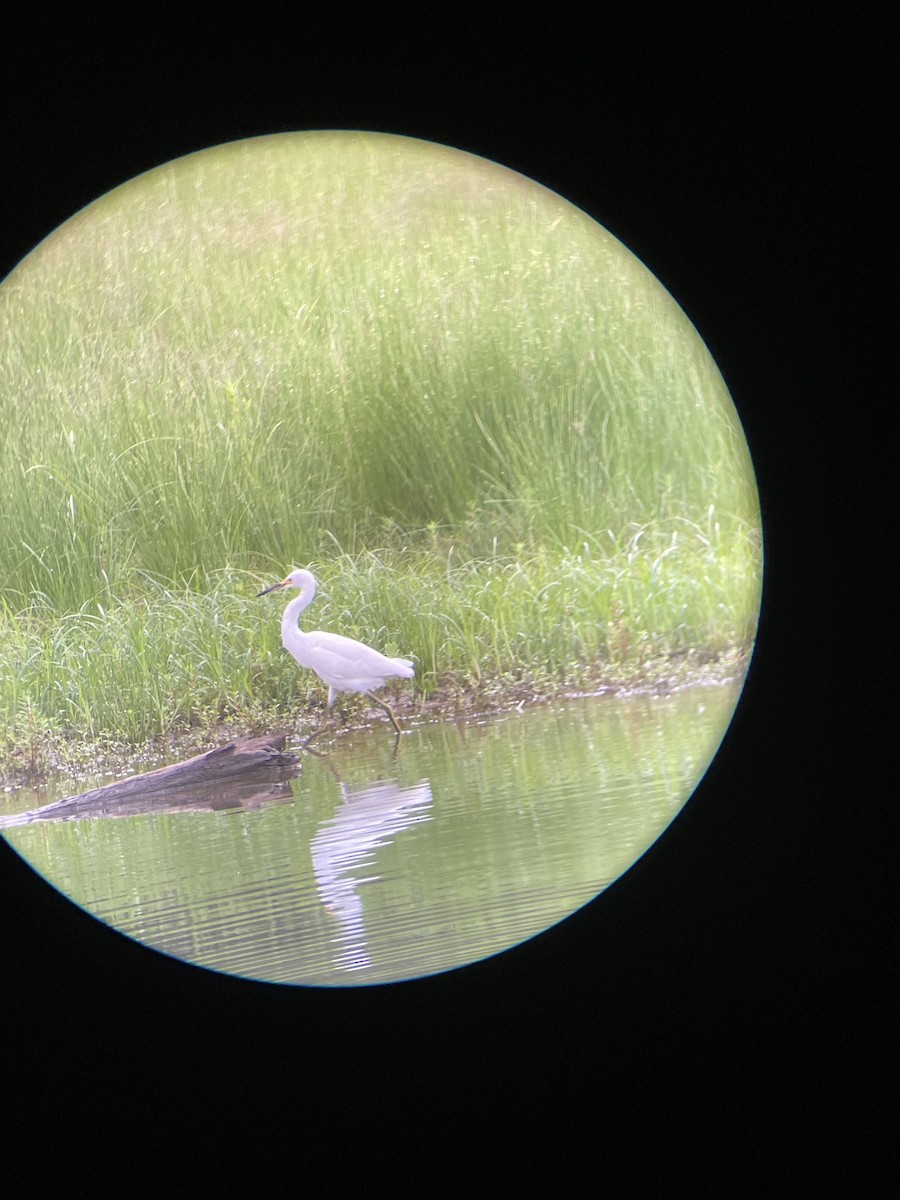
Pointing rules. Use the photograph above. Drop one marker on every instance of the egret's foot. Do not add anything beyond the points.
(316, 734)
(390, 712)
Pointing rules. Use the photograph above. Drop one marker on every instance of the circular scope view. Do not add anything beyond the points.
(382, 559)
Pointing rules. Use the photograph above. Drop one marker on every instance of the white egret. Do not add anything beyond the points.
(344, 664)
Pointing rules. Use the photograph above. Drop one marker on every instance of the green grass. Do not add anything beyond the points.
(496, 438)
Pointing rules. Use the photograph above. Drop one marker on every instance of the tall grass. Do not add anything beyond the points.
(298, 349)
(166, 659)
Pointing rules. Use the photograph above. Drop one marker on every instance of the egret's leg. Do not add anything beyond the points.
(390, 712)
(324, 723)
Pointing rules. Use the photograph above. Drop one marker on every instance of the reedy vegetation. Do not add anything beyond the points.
(498, 442)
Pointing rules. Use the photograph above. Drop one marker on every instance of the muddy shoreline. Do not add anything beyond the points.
(451, 700)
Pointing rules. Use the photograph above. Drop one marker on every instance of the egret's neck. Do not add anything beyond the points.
(292, 613)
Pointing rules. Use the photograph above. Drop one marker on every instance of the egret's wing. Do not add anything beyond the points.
(342, 660)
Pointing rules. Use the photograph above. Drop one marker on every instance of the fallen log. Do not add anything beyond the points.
(246, 773)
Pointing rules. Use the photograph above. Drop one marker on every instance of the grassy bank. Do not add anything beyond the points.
(490, 632)
(492, 433)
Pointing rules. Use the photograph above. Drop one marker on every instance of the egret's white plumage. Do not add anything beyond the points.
(344, 664)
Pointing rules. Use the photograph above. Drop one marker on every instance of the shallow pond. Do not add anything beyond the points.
(371, 867)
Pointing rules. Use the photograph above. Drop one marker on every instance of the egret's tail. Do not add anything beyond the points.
(404, 668)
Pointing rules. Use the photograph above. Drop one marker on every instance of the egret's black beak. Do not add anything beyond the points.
(273, 588)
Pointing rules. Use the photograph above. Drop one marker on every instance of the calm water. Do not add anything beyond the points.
(373, 868)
